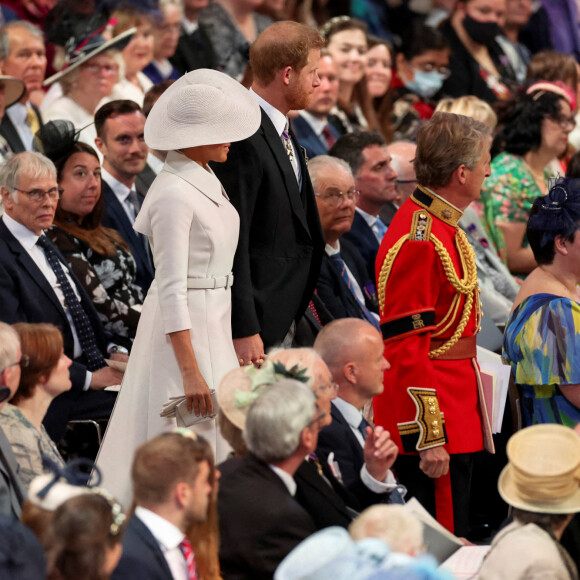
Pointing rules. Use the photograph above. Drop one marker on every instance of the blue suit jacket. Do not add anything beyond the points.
(361, 235)
(142, 557)
(334, 292)
(339, 439)
(309, 139)
(27, 296)
(116, 218)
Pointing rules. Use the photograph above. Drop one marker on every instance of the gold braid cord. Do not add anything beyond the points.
(466, 286)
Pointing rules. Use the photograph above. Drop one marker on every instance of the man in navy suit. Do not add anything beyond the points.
(30, 290)
(172, 484)
(281, 245)
(22, 55)
(312, 128)
(353, 351)
(369, 159)
(344, 284)
(120, 139)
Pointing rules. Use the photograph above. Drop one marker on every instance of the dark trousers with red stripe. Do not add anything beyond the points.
(445, 498)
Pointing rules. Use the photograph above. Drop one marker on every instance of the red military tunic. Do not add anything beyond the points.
(421, 309)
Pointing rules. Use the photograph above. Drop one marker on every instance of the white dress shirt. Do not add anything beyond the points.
(17, 114)
(168, 537)
(317, 125)
(354, 417)
(121, 192)
(373, 222)
(280, 121)
(27, 240)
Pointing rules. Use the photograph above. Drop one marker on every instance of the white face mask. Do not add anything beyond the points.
(425, 84)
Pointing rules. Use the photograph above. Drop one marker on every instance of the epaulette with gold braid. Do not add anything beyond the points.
(420, 226)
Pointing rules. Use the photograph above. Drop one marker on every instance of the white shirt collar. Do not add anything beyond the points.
(316, 124)
(119, 189)
(17, 112)
(286, 478)
(189, 26)
(167, 534)
(370, 219)
(163, 66)
(26, 238)
(332, 251)
(351, 414)
(278, 118)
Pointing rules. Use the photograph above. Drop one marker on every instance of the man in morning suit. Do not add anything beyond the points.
(430, 314)
(343, 284)
(319, 486)
(260, 522)
(22, 55)
(353, 351)
(172, 484)
(36, 285)
(12, 490)
(120, 126)
(366, 153)
(280, 246)
(311, 127)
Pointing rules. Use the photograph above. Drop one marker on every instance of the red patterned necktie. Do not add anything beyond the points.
(189, 556)
(328, 136)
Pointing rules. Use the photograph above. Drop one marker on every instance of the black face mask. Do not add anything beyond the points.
(481, 32)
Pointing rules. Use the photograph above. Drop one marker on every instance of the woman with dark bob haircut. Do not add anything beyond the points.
(542, 335)
(534, 133)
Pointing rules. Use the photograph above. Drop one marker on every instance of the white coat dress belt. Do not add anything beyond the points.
(210, 283)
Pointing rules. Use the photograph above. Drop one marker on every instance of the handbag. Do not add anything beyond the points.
(177, 407)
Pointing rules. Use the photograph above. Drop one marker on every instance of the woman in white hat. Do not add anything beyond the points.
(87, 79)
(542, 485)
(184, 342)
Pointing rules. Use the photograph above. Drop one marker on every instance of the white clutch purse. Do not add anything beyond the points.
(177, 407)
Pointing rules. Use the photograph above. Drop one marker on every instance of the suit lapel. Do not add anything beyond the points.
(142, 531)
(29, 266)
(274, 143)
(9, 133)
(352, 439)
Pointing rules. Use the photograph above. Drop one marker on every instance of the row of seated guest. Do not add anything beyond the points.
(39, 287)
(99, 256)
(532, 136)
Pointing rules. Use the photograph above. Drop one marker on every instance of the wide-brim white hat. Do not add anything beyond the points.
(89, 48)
(543, 473)
(204, 107)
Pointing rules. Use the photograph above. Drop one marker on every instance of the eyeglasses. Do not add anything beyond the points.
(444, 71)
(406, 181)
(337, 197)
(38, 195)
(22, 363)
(332, 387)
(106, 68)
(564, 121)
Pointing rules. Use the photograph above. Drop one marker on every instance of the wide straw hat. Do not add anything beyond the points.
(543, 473)
(204, 107)
(13, 89)
(87, 48)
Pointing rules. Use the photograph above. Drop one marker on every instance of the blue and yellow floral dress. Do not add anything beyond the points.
(542, 344)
